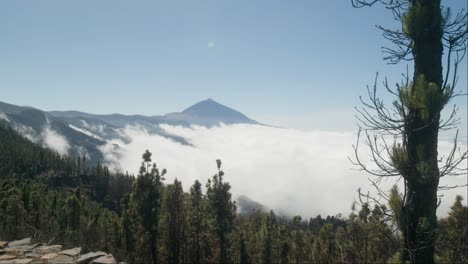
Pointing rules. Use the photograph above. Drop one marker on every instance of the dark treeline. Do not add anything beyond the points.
(23, 160)
(152, 219)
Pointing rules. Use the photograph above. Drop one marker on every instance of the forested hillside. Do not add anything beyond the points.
(150, 218)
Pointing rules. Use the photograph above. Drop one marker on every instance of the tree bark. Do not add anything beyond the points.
(422, 131)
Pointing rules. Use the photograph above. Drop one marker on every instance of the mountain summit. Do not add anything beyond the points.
(209, 113)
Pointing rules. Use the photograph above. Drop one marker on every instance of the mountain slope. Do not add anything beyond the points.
(78, 133)
(42, 128)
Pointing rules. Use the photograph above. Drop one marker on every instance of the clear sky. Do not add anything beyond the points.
(297, 63)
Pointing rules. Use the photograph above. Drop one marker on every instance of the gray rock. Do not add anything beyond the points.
(3, 244)
(14, 251)
(21, 242)
(16, 261)
(7, 256)
(49, 256)
(32, 255)
(86, 258)
(107, 259)
(71, 252)
(21, 248)
(34, 245)
(61, 259)
(48, 249)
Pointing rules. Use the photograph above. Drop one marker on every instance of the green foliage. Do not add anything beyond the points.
(244, 254)
(452, 246)
(58, 217)
(173, 220)
(222, 209)
(396, 205)
(325, 249)
(197, 222)
(425, 97)
(73, 212)
(419, 17)
(155, 222)
(268, 235)
(399, 158)
(146, 201)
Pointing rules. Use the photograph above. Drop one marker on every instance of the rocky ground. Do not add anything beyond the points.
(24, 252)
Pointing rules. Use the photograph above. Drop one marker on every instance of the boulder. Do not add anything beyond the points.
(62, 259)
(3, 244)
(21, 242)
(32, 255)
(14, 251)
(7, 256)
(21, 248)
(107, 259)
(16, 261)
(86, 258)
(49, 256)
(71, 252)
(34, 245)
(48, 249)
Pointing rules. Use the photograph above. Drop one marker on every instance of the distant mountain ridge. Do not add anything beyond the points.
(209, 113)
(80, 133)
(206, 113)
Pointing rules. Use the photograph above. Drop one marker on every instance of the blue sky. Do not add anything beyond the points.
(296, 63)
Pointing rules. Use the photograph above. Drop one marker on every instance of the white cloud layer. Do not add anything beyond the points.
(27, 132)
(4, 117)
(48, 138)
(55, 141)
(291, 171)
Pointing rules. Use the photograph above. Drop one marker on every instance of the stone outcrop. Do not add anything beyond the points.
(24, 252)
(21, 242)
(86, 258)
(71, 252)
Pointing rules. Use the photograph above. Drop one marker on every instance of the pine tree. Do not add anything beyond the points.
(268, 233)
(298, 240)
(244, 257)
(146, 199)
(222, 210)
(453, 238)
(325, 248)
(196, 220)
(12, 212)
(127, 231)
(285, 246)
(174, 221)
(415, 115)
(73, 211)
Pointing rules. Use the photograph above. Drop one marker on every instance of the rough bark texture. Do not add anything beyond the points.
(422, 129)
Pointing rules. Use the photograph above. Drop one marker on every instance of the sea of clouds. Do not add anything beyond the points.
(290, 171)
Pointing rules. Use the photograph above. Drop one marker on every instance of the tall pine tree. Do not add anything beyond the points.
(146, 200)
(223, 210)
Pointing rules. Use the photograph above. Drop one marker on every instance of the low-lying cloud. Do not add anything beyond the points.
(295, 172)
(48, 138)
(54, 140)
